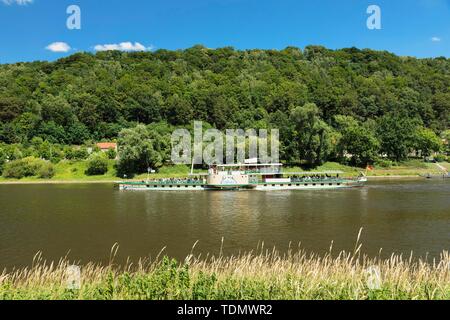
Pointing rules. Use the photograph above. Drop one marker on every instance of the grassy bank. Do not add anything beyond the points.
(70, 171)
(266, 275)
(405, 169)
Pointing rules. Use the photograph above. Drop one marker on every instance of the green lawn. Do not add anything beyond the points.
(408, 168)
(72, 171)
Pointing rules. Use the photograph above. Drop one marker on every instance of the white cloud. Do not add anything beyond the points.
(19, 2)
(123, 46)
(436, 39)
(58, 47)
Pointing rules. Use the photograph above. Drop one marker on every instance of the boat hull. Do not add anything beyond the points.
(330, 185)
(310, 186)
(172, 188)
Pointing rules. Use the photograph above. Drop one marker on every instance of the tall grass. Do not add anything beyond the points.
(263, 274)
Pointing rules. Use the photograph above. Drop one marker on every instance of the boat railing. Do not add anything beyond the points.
(316, 180)
(167, 182)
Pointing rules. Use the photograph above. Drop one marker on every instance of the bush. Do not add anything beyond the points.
(97, 164)
(77, 154)
(415, 163)
(28, 167)
(46, 171)
(14, 170)
(440, 158)
(384, 163)
(111, 153)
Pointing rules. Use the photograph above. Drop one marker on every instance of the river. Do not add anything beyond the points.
(84, 221)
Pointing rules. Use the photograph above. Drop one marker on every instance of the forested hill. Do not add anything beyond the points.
(87, 96)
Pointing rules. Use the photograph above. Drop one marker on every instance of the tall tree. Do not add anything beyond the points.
(313, 136)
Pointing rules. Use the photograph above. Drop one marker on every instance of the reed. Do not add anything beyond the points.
(262, 274)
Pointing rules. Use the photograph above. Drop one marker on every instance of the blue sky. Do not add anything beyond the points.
(409, 27)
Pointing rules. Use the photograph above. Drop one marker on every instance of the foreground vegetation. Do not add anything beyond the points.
(265, 275)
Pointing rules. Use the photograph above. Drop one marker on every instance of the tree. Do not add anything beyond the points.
(357, 141)
(446, 138)
(78, 133)
(58, 110)
(427, 142)
(139, 150)
(397, 134)
(314, 137)
(10, 108)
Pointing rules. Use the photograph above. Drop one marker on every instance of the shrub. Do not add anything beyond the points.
(97, 164)
(111, 153)
(28, 167)
(415, 163)
(384, 163)
(14, 170)
(440, 158)
(46, 171)
(77, 154)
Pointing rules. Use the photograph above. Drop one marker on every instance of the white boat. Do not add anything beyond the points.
(259, 177)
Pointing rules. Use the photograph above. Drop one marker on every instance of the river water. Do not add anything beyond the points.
(86, 220)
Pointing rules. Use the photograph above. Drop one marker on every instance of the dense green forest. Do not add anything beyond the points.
(326, 103)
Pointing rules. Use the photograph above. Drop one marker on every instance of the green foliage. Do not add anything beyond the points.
(76, 153)
(97, 164)
(28, 167)
(315, 140)
(141, 148)
(440, 158)
(397, 135)
(383, 163)
(86, 97)
(358, 141)
(111, 154)
(427, 142)
(247, 277)
(46, 171)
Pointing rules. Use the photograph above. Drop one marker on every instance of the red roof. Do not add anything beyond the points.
(107, 145)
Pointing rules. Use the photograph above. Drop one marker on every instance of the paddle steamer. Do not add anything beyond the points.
(260, 177)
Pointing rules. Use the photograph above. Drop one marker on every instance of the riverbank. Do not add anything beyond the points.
(263, 276)
(74, 173)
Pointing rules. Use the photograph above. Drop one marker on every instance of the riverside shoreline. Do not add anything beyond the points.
(30, 182)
